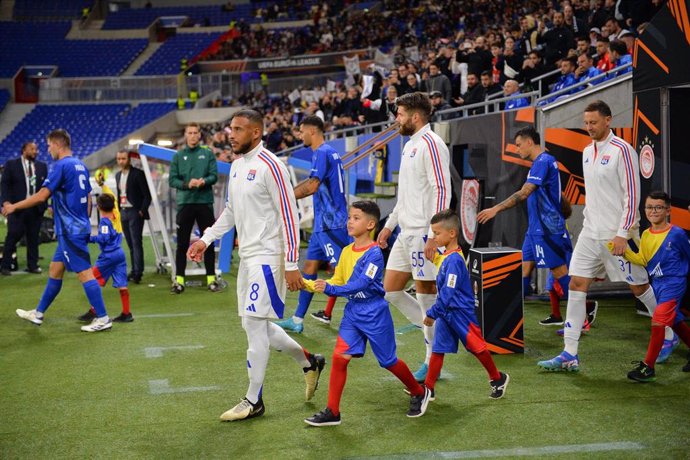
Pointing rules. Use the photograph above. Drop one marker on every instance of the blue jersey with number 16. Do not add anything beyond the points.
(330, 205)
(68, 182)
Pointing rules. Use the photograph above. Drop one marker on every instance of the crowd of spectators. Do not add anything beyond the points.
(466, 51)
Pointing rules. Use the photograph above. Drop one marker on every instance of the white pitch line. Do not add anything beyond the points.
(160, 387)
(165, 315)
(518, 451)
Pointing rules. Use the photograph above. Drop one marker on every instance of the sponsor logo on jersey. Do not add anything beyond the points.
(534, 177)
(104, 229)
(184, 158)
(371, 271)
(605, 159)
(452, 279)
(251, 175)
(413, 152)
(630, 279)
(251, 308)
(420, 272)
(657, 272)
(360, 295)
(586, 160)
(541, 263)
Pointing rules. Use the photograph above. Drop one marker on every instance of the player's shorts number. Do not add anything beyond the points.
(254, 292)
(417, 258)
(625, 266)
(328, 247)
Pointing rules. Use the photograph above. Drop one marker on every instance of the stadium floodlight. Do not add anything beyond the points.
(135, 141)
(164, 143)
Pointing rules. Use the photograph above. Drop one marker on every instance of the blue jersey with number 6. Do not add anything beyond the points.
(68, 182)
(330, 205)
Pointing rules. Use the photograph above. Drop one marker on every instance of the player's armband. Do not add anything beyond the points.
(308, 285)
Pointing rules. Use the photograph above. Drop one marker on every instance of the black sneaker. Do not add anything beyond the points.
(323, 418)
(686, 368)
(176, 289)
(136, 279)
(642, 373)
(124, 318)
(592, 309)
(418, 404)
(551, 321)
(431, 398)
(215, 286)
(321, 316)
(87, 317)
(498, 387)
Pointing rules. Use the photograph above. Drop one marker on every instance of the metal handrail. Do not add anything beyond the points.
(391, 134)
(580, 86)
(532, 95)
(374, 139)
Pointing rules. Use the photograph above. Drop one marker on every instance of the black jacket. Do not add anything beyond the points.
(13, 182)
(137, 190)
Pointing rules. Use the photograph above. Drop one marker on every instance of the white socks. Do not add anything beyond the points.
(407, 305)
(426, 301)
(575, 315)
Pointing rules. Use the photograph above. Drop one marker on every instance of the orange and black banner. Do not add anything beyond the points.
(496, 277)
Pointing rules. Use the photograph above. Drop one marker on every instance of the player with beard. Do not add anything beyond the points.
(423, 190)
(261, 205)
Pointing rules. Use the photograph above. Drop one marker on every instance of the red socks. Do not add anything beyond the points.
(435, 365)
(329, 306)
(336, 383)
(656, 341)
(555, 304)
(124, 297)
(488, 362)
(402, 372)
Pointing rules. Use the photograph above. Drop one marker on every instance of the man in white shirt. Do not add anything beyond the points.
(612, 187)
(423, 190)
(261, 205)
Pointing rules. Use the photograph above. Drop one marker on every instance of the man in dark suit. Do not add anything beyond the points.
(21, 178)
(134, 199)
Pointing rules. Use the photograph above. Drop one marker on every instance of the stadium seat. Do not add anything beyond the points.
(166, 59)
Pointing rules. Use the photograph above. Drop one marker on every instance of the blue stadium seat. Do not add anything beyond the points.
(50, 9)
(44, 43)
(92, 127)
(166, 59)
(4, 98)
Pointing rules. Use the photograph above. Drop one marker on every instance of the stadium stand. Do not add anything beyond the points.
(50, 9)
(44, 43)
(166, 60)
(91, 126)
(4, 98)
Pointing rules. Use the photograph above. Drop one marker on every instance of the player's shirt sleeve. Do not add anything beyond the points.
(451, 274)
(54, 179)
(319, 166)
(630, 182)
(106, 233)
(683, 245)
(436, 164)
(538, 172)
(644, 253)
(371, 265)
(222, 225)
(283, 196)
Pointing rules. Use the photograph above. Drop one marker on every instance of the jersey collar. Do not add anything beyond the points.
(418, 135)
(252, 153)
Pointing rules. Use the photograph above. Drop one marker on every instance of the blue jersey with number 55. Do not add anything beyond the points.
(68, 182)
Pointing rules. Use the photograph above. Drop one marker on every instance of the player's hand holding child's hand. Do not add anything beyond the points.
(428, 321)
(320, 285)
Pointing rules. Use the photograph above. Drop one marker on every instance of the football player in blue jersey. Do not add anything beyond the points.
(68, 184)
(547, 243)
(665, 251)
(326, 183)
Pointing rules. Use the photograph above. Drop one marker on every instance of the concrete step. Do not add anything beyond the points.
(143, 57)
(386, 188)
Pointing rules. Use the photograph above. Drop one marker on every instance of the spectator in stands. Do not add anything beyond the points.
(594, 34)
(497, 63)
(314, 110)
(614, 28)
(512, 88)
(603, 9)
(273, 137)
(577, 26)
(193, 171)
(566, 80)
(412, 85)
(474, 94)
(487, 82)
(586, 70)
(603, 59)
(620, 56)
(439, 104)
(528, 40)
(437, 82)
(134, 199)
(512, 63)
(532, 68)
(628, 38)
(349, 109)
(21, 178)
(556, 40)
(477, 56)
(583, 47)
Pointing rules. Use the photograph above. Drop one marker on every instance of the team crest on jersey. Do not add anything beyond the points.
(184, 158)
(252, 174)
(371, 271)
(413, 152)
(605, 159)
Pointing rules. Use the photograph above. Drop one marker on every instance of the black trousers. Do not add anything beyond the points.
(133, 228)
(26, 222)
(202, 214)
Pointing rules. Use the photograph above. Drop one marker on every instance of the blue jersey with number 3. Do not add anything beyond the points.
(68, 182)
(330, 206)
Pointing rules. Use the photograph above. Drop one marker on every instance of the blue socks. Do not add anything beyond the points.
(564, 281)
(95, 296)
(304, 299)
(49, 293)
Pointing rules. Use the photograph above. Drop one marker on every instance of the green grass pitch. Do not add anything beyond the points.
(68, 394)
